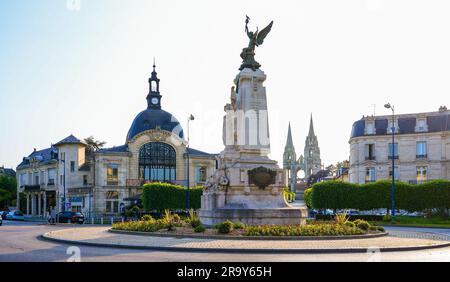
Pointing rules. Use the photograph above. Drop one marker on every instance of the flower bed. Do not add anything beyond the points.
(192, 225)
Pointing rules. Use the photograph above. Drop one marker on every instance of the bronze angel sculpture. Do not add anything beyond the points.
(256, 39)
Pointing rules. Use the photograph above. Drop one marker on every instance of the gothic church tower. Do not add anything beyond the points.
(312, 161)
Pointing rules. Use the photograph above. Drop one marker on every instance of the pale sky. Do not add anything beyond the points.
(84, 72)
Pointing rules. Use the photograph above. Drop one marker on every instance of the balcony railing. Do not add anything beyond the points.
(395, 157)
(424, 156)
(370, 158)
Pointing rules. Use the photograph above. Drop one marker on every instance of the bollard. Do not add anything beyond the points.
(92, 220)
(101, 220)
(112, 220)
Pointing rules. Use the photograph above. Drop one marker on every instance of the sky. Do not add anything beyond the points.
(81, 67)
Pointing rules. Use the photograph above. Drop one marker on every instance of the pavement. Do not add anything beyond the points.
(398, 240)
(20, 242)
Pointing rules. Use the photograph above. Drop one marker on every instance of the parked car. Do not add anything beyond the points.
(70, 217)
(3, 214)
(15, 215)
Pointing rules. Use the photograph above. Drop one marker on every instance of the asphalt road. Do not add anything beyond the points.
(19, 242)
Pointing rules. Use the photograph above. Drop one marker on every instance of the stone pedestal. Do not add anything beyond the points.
(247, 186)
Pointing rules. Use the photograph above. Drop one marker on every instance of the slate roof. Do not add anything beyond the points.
(152, 119)
(9, 171)
(45, 156)
(70, 140)
(194, 152)
(436, 121)
(117, 149)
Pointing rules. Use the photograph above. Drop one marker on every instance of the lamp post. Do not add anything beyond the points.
(64, 185)
(188, 198)
(389, 106)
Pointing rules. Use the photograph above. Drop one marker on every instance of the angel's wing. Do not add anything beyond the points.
(263, 33)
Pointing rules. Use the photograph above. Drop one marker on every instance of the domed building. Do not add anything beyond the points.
(155, 150)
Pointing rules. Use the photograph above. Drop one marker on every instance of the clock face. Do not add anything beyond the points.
(155, 101)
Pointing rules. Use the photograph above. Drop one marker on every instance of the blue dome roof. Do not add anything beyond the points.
(153, 118)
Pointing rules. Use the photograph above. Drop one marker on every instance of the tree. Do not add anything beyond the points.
(93, 146)
(8, 191)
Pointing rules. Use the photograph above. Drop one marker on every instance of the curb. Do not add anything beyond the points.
(262, 238)
(260, 251)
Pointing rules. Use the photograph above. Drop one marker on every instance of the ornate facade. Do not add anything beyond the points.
(105, 182)
(421, 148)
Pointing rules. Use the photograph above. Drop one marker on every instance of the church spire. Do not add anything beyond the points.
(154, 97)
(311, 127)
(289, 142)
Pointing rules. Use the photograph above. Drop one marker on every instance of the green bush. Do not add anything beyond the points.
(373, 228)
(410, 197)
(387, 218)
(380, 228)
(161, 196)
(307, 197)
(225, 227)
(288, 195)
(147, 218)
(350, 224)
(363, 225)
(238, 225)
(199, 229)
(303, 230)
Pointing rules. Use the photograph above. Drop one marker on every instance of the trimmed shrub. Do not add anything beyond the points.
(307, 197)
(288, 195)
(373, 228)
(387, 218)
(161, 196)
(199, 229)
(225, 227)
(376, 195)
(381, 228)
(366, 217)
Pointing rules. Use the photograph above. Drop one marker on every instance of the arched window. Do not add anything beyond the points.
(157, 162)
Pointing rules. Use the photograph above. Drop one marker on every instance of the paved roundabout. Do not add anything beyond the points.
(397, 240)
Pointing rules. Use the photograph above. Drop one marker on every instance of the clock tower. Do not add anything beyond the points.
(153, 97)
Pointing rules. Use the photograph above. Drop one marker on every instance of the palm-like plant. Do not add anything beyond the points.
(341, 218)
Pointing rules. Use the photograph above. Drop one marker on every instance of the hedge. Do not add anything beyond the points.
(409, 197)
(366, 217)
(161, 196)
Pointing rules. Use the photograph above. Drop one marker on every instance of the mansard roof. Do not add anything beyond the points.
(436, 122)
(44, 156)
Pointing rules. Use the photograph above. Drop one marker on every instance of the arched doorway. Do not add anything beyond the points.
(157, 162)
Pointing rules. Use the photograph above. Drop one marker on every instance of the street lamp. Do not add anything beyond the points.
(389, 106)
(188, 204)
(64, 185)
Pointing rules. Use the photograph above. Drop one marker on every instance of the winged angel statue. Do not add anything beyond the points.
(256, 39)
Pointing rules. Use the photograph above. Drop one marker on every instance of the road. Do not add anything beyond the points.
(19, 242)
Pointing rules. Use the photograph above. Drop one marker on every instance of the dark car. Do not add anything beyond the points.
(3, 214)
(70, 217)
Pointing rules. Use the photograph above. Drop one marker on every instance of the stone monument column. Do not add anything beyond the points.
(248, 185)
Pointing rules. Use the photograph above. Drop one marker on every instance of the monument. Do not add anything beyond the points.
(248, 186)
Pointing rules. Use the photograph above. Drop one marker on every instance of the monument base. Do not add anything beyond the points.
(282, 216)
